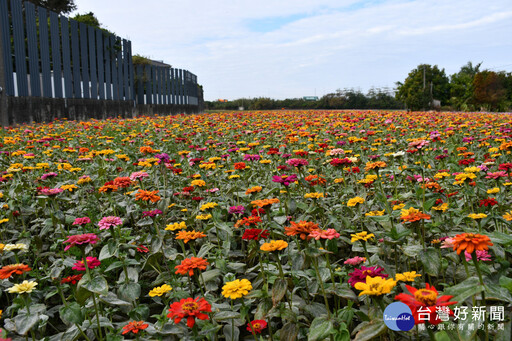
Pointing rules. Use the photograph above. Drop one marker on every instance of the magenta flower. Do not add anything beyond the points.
(482, 255)
(79, 239)
(355, 260)
(51, 191)
(236, 210)
(82, 221)
(359, 275)
(251, 157)
(138, 175)
(151, 213)
(496, 175)
(92, 262)
(284, 179)
(324, 234)
(297, 162)
(107, 222)
(48, 175)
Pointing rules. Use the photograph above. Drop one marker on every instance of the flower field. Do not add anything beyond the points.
(258, 226)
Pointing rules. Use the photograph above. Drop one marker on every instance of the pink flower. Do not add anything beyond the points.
(92, 262)
(447, 243)
(419, 144)
(324, 234)
(496, 175)
(48, 175)
(86, 238)
(138, 175)
(297, 162)
(251, 157)
(359, 275)
(51, 191)
(107, 222)
(355, 260)
(482, 255)
(82, 221)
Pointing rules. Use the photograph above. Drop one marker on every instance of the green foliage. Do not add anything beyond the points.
(90, 19)
(461, 89)
(423, 85)
(58, 6)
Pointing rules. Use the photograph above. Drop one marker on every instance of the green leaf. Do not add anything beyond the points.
(96, 285)
(279, 290)
(231, 333)
(289, 332)
(72, 314)
(129, 291)
(412, 250)
(465, 289)
(320, 328)
(442, 336)
(428, 204)
(105, 252)
(281, 219)
(25, 322)
(431, 261)
(226, 315)
(506, 283)
(370, 330)
(211, 275)
(112, 299)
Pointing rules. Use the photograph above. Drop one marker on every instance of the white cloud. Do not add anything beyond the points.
(332, 44)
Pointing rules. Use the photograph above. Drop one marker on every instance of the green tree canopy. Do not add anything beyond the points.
(58, 6)
(424, 84)
(489, 92)
(461, 90)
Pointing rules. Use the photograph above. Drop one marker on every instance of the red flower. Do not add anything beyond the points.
(142, 249)
(488, 202)
(71, 279)
(255, 234)
(423, 303)
(134, 327)
(190, 308)
(9, 270)
(256, 326)
(189, 264)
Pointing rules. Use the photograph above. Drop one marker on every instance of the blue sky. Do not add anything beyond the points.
(286, 49)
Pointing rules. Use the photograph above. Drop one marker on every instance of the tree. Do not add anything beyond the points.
(58, 6)
(422, 86)
(489, 92)
(461, 90)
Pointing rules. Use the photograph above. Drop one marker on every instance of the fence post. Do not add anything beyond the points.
(4, 118)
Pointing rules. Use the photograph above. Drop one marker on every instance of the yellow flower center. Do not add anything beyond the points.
(190, 306)
(256, 326)
(425, 296)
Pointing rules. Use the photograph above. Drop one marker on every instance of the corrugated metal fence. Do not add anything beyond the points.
(50, 56)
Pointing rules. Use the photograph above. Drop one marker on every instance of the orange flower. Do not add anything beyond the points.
(375, 165)
(123, 181)
(134, 327)
(302, 228)
(471, 242)
(413, 214)
(254, 189)
(248, 221)
(315, 180)
(189, 264)
(147, 195)
(146, 150)
(108, 187)
(189, 235)
(240, 165)
(265, 202)
(18, 269)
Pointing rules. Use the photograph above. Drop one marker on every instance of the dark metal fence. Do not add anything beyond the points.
(53, 62)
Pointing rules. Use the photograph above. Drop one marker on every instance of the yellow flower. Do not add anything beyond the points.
(407, 276)
(1, 195)
(314, 195)
(204, 216)
(398, 207)
(236, 176)
(338, 180)
(274, 245)
(375, 213)
(25, 287)
(198, 183)
(354, 201)
(265, 161)
(236, 289)
(176, 226)
(508, 216)
(208, 206)
(507, 183)
(68, 187)
(477, 215)
(472, 170)
(441, 175)
(375, 286)
(361, 236)
(4, 220)
(84, 180)
(408, 211)
(443, 207)
(493, 190)
(159, 291)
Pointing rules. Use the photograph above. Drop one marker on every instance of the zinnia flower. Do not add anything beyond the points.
(355, 260)
(324, 234)
(72, 279)
(471, 242)
(82, 221)
(237, 288)
(303, 229)
(189, 264)
(79, 239)
(24, 287)
(423, 303)
(482, 255)
(134, 327)
(190, 308)
(274, 245)
(9, 270)
(359, 275)
(147, 195)
(107, 222)
(236, 209)
(361, 236)
(255, 234)
(407, 276)
(187, 236)
(256, 326)
(92, 262)
(375, 286)
(138, 175)
(159, 291)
